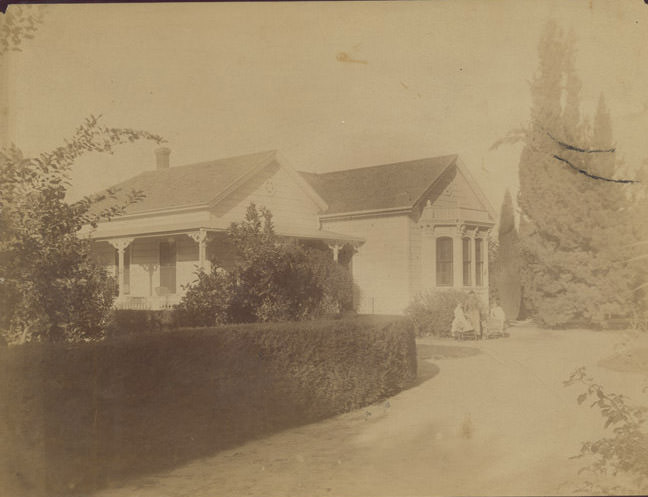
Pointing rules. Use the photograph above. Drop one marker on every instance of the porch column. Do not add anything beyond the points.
(473, 257)
(200, 237)
(121, 244)
(336, 250)
(485, 239)
(457, 256)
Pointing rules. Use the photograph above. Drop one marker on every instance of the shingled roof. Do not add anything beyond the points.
(387, 186)
(193, 184)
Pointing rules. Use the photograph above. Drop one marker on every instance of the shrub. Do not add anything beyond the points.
(272, 280)
(206, 302)
(432, 312)
(81, 415)
(334, 279)
(50, 290)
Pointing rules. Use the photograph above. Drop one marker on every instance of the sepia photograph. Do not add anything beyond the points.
(324, 249)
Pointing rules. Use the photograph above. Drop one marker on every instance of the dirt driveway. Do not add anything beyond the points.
(490, 419)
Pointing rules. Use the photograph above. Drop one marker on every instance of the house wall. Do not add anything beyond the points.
(145, 263)
(453, 211)
(276, 189)
(381, 266)
(144, 268)
(415, 258)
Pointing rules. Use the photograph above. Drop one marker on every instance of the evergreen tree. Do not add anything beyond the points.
(573, 227)
(506, 276)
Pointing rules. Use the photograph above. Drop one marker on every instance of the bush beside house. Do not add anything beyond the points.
(432, 312)
(272, 280)
(77, 416)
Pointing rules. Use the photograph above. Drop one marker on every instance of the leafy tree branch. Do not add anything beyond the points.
(50, 288)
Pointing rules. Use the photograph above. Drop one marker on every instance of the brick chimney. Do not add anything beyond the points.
(162, 157)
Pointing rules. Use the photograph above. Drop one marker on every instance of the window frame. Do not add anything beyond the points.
(466, 262)
(479, 262)
(444, 261)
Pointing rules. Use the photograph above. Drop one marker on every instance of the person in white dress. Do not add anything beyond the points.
(497, 314)
(459, 323)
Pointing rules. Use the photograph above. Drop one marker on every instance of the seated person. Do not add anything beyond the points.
(459, 324)
(497, 314)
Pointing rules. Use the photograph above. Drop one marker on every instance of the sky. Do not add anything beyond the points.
(330, 85)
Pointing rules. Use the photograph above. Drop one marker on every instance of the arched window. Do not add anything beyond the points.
(444, 275)
(479, 262)
(467, 266)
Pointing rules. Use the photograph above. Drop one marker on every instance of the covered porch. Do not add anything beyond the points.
(152, 270)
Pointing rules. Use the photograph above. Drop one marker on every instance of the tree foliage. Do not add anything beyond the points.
(506, 270)
(50, 289)
(272, 280)
(18, 24)
(624, 451)
(574, 228)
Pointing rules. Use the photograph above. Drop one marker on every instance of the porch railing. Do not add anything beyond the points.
(146, 303)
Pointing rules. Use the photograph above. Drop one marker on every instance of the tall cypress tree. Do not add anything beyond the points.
(569, 230)
(545, 186)
(506, 276)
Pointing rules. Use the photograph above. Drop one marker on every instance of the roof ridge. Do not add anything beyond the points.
(448, 156)
(269, 153)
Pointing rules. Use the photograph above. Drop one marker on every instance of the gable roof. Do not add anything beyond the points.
(397, 185)
(190, 185)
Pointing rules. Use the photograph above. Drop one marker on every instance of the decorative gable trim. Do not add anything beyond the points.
(475, 189)
(419, 205)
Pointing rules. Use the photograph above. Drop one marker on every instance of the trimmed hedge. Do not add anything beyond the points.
(77, 417)
(128, 321)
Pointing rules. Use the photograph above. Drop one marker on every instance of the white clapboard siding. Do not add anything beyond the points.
(381, 267)
(187, 262)
(466, 198)
(144, 268)
(415, 259)
(276, 189)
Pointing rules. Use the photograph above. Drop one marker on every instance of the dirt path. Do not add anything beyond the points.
(494, 421)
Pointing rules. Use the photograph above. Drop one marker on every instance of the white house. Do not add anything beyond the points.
(401, 228)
